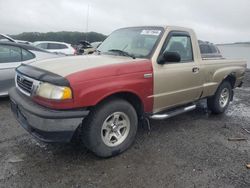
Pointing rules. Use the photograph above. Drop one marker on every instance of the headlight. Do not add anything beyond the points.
(50, 91)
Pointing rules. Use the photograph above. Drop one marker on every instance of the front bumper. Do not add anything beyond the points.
(45, 124)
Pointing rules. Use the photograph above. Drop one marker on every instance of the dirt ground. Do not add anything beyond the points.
(190, 150)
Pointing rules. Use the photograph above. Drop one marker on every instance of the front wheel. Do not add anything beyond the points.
(110, 128)
(220, 101)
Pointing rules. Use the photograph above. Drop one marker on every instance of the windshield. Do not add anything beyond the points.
(138, 42)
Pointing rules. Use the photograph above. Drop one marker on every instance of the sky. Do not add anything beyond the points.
(218, 21)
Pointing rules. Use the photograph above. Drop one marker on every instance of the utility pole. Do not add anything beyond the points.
(87, 23)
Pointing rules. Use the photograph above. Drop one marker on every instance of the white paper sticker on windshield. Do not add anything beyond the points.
(151, 32)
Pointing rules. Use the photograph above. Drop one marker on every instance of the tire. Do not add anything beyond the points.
(215, 103)
(100, 131)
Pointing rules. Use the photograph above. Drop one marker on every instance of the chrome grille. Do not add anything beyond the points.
(24, 84)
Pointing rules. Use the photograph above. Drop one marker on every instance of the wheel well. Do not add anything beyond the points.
(133, 99)
(231, 79)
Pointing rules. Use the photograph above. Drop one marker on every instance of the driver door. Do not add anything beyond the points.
(180, 82)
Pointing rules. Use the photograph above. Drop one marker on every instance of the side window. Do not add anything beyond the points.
(182, 45)
(202, 48)
(27, 55)
(9, 54)
(63, 46)
(213, 49)
(54, 46)
(205, 49)
(43, 45)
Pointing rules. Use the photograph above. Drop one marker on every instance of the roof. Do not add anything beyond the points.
(165, 27)
(159, 26)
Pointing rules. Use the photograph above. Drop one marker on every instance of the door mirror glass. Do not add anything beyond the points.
(173, 57)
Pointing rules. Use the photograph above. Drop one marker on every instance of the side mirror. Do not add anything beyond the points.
(173, 57)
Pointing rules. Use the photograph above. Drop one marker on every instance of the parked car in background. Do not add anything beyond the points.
(209, 50)
(14, 54)
(56, 47)
(84, 48)
(96, 44)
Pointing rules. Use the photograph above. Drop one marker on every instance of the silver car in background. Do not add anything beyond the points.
(14, 54)
(56, 47)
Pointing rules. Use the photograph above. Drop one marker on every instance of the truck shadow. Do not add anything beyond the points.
(4, 99)
(76, 152)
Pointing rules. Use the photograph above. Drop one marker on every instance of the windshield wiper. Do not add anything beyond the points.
(124, 53)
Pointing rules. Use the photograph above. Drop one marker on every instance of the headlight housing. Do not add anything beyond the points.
(50, 91)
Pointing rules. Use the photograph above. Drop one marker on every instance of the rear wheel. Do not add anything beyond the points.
(220, 101)
(110, 128)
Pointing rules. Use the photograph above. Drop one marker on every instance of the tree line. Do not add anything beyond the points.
(63, 36)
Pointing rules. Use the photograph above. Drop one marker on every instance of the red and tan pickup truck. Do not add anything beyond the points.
(137, 73)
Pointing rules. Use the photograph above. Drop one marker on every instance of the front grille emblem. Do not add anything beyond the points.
(21, 79)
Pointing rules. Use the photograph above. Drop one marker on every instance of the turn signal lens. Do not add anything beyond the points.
(67, 94)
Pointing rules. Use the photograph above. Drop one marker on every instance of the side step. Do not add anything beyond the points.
(173, 113)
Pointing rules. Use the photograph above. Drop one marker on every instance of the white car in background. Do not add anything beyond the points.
(56, 47)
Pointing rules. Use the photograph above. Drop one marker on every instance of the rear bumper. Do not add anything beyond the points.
(43, 123)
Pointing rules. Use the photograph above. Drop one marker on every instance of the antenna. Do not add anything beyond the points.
(87, 22)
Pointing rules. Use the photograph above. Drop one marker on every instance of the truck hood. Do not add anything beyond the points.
(65, 66)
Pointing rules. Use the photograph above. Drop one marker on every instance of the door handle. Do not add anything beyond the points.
(195, 69)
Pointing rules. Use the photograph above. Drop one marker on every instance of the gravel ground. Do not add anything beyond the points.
(190, 150)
